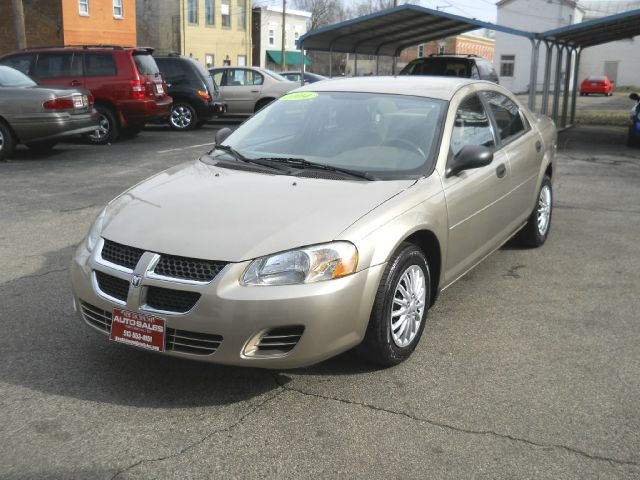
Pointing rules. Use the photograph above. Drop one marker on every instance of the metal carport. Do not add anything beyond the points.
(574, 39)
(390, 31)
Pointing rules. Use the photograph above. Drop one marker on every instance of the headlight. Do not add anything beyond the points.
(304, 265)
(96, 230)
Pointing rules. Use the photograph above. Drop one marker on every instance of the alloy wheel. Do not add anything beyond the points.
(409, 301)
(181, 117)
(544, 209)
(1, 141)
(102, 130)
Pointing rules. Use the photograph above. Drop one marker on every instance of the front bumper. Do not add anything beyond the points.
(334, 313)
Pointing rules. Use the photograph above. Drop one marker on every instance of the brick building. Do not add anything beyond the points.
(70, 22)
(465, 44)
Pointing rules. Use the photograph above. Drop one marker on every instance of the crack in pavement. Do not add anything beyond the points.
(201, 440)
(612, 461)
(36, 275)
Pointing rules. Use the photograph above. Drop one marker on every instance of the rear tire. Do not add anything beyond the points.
(7, 142)
(108, 129)
(42, 147)
(632, 140)
(183, 117)
(536, 231)
(392, 336)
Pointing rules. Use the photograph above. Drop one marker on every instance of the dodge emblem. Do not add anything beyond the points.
(136, 280)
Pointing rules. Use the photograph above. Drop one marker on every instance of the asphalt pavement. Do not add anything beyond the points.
(529, 367)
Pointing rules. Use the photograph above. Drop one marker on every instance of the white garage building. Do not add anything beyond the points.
(513, 55)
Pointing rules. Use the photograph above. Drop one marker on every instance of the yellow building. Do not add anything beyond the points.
(215, 32)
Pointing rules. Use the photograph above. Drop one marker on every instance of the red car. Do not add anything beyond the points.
(597, 84)
(125, 82)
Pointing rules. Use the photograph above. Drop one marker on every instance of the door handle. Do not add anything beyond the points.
(501, 170)
(75, 83)
(255, 91)
(538, 146)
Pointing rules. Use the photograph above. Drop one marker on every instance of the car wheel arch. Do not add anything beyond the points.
(428, 242)
(4, 121)
(263, 102)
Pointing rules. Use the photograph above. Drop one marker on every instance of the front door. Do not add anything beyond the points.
(241, 90)
(476, 198)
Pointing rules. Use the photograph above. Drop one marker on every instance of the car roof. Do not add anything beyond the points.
(83, 48)
(423, 86)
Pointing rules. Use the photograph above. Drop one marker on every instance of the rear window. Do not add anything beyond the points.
(146, 64)
(204, 73)
(22, 63)
(441, 67)
(596, 78)
(10, 77)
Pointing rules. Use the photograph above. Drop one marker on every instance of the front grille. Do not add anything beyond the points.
(167, 300)
(113, 286)
(188, 268)
(121, 254)
(96, 316)
(191, 342)
(279, 341)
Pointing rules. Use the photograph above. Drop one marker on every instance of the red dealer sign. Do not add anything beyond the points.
(138, 329)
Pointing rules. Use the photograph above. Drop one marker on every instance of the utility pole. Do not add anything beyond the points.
(283, 62)
(18, 15)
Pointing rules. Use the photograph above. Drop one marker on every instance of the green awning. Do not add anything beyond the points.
(292, 58)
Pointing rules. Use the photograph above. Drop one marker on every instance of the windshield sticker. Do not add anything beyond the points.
(300, 96)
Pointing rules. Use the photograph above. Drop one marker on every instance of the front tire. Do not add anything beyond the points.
(7, 142)
(183, 117)
(108, 129)
(536, 231)
(400, 308)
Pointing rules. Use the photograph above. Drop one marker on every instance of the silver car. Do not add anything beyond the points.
(40, 116)
(246, 90)
(330, 220)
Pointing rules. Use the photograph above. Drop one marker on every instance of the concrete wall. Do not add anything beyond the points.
(43, 24)
(158, 23)
(100, 26)
(530, 16)
(625, 52)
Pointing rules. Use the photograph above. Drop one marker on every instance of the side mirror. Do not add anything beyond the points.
(471, 156)
(222, 134)
(635, 97)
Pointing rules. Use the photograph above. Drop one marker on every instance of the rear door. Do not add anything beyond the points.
(524, 149)
(59, 68)
(475, 198)
(100, 73)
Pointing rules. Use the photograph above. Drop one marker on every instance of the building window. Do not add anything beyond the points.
(442, 49)
(83, 6)
(242, 14)
(209, 59)
(210, 12)
(192, 11)
(420, 50)
(225, 9)
(118, 9)
(507, 63)
(242, 60)
(272, 35)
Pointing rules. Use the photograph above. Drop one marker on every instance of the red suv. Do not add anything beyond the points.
(125, 82)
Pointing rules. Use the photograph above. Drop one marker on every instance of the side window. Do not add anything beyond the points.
(236, 77)
(217, 77)
(471, 126)
(475, 74)
(99, 65)
(507, 116)
(58, 65)
(22, 63)
(255, 78)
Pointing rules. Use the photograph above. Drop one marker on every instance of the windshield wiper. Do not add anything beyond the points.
(301, 163)
(241, 158)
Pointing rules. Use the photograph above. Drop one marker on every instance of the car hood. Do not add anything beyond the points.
(203, 211)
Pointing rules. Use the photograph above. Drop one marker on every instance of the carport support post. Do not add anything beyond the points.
(355, 64)
(576, 71)
(567, 79)
(377, 64)
(331, 62)
(556, 83)
(533, 79)
(547, 77)
(301, 64)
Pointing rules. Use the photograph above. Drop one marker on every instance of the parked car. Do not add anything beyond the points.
(596, 84)
(633, 136)
(196, 97)
(330, 220)
(125, 83)
(246, 90)
(448, 65)
(39, 116)
(308, 77)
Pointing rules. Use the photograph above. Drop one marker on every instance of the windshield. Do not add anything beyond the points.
(441, 67)
(10, 77)
(388, 136)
